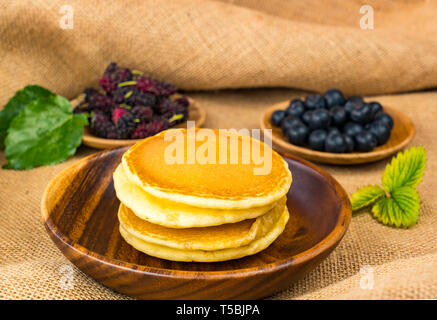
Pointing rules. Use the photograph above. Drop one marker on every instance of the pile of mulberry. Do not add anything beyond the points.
(131, 105)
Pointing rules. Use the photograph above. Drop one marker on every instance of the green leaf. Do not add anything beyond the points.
(16, 104)
(365, 196)
(406, 169)
(400, 210)
(46, 132)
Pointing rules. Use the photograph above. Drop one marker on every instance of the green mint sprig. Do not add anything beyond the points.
(397, 203)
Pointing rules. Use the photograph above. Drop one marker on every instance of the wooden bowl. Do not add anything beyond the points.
(402, 133)
(196, 113)
(79, 210)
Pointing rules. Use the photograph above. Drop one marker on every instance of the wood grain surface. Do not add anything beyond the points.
(402, 133)
(79, 210)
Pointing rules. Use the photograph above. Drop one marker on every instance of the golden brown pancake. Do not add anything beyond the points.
(211, 185)
(209, 238)
(174, 254)
(173, 214)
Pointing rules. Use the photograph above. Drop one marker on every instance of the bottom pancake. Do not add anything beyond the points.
(220, 237)
(174, 254)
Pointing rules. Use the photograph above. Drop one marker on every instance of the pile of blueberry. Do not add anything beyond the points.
(332, 123)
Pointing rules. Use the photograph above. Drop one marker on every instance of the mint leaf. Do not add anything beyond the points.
(401, 210)
(365, 196)
(45, 132)
(406, 169)
(16, 104)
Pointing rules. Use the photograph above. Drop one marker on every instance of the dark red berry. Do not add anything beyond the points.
(148, 85)
(102, 126)
(142, 113)
(107, 84)
(125, 125)
(117, 114)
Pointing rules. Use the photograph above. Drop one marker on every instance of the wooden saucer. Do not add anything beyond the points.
(79, 210)
(402, 133)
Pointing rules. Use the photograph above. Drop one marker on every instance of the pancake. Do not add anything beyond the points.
(208, 185)
(174, 254)
(176, 215)
(225, 236)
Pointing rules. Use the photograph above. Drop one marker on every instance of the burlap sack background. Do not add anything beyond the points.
(207, 45)
(199, 44)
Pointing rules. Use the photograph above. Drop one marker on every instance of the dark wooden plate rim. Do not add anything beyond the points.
(330, 240)
(345, 156)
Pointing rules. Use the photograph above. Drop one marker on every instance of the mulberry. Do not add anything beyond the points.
(141, 132)
(144, 99)
(149, 85)
(114, 75)
(156, 87)
(151, 128)
(117, 114)
(165, 106)
(125, 95)
(132, 105)
(102, 126)
(166, 89)
(158, 125)
(142, 113)
(107, 84)
(125, 125)
(89, 94)
(99, 101)
(183, 102)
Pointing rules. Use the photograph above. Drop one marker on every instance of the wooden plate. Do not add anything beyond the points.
(402, 133)
(196, 113)
(79, 210)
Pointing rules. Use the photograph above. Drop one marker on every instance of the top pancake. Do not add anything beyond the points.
(223, 182)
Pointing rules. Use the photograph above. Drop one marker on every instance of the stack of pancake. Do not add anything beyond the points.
(202, 212)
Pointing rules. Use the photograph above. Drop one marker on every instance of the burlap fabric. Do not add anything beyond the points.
(199, 44)
(404, 262)
(206, 45)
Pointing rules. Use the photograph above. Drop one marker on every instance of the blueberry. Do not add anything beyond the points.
(319, 119)
(333, 98)
(352, 129)
(385, 118)
(314, 101)
(288, 122)
(306, 117)
(350, 144)
(361, 113)
(297, 134)
(356, 99)
(296, 108)
(381, 132)
(376, 107)
(332, 130)
(317, 139)
(365, 141)
(352, 102)
(277, 117)
(338, 116)
(335, 143)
